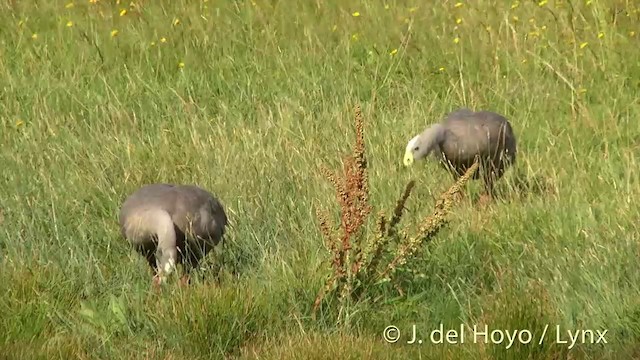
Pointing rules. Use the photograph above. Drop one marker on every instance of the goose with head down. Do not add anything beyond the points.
(463, 136)
(172, 224)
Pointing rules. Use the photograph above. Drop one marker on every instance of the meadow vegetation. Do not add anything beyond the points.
(252, 100)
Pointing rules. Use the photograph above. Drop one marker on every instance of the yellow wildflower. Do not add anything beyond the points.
(163, 40)
(458, 21)
(600, 35)
(393, 52)
(123, 12)
(584, 45)
(386, 6)
(34, 36)
(175, 22)
(632, 33)
(355, 14)
(69, 5)
(542, 3)
(180, 65)
(69, 23)
(456, 40)
(114, 33)
(458, 5)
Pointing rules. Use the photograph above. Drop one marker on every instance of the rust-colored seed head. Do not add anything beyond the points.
(352, 193)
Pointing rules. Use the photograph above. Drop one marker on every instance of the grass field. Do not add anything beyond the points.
(249, 100)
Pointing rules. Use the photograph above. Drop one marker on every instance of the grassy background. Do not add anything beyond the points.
(247, 99)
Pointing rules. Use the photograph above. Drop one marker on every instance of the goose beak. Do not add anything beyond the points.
(408, 158)
(408, 152)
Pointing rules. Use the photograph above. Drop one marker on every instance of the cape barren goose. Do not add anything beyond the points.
(172, 224)
(461, 137)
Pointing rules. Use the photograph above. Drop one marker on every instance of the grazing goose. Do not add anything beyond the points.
(460, 137)
(172, 224)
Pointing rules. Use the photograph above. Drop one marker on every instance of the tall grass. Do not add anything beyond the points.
(249, 99)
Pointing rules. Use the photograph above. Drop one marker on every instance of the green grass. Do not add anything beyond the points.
(264, 99)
